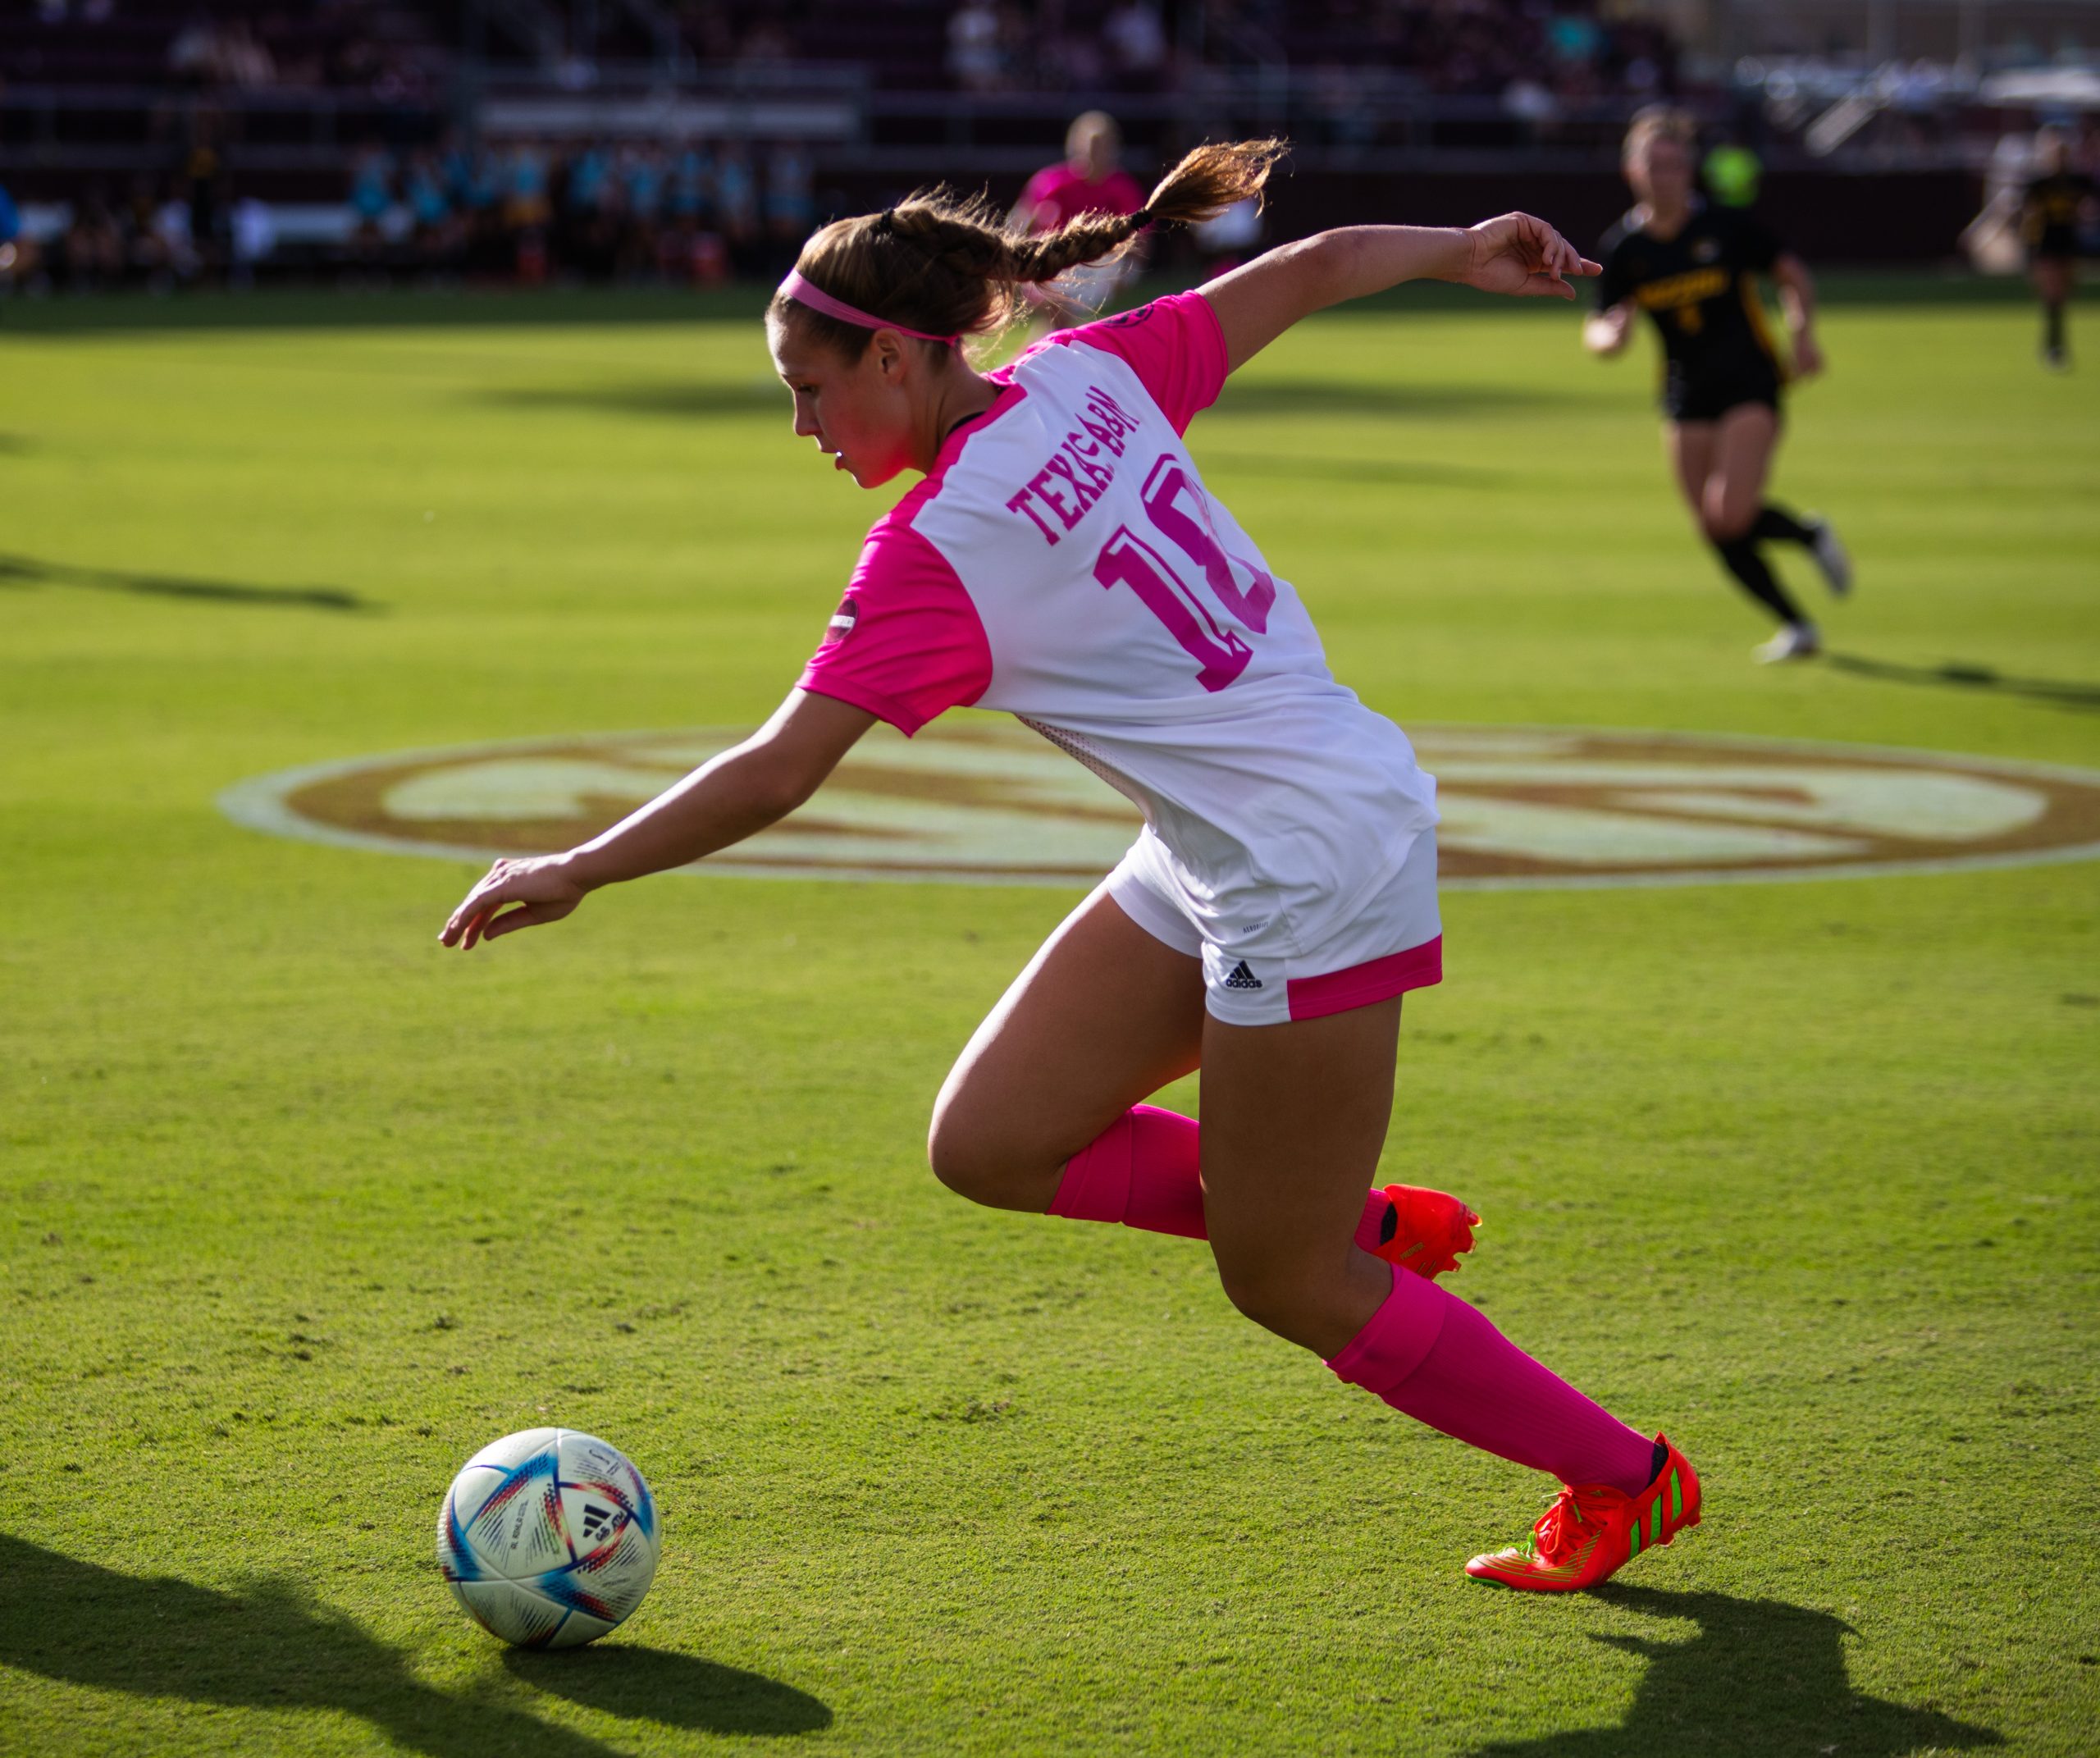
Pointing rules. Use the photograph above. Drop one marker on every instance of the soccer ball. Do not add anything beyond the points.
(548, 1538)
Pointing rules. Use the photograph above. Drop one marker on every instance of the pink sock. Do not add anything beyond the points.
(1141, 1171)
(1432, 1357)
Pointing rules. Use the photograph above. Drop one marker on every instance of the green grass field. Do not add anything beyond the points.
(296, 1211)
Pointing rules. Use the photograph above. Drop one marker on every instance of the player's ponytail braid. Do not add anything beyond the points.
(948, 264)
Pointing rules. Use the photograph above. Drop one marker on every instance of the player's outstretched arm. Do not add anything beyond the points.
(1514, 254)
(1797, 300)
(727, 799)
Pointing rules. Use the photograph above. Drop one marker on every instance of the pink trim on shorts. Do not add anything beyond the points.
(1360, 985)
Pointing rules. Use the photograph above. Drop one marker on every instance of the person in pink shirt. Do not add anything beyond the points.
(1061, 559)
(1089, 180)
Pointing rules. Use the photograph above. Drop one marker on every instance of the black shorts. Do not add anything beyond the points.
(2053, 246)
(1710, 395)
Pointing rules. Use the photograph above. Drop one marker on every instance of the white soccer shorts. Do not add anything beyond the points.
(1393, 942)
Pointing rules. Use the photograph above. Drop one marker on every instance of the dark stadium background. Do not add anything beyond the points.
(161, 143)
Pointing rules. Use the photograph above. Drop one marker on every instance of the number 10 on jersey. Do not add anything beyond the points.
(1181, 513)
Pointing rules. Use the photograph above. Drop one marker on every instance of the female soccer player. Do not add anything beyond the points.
(1089, 180)
(1061, 559)
(2051, 208)
(1693, 267)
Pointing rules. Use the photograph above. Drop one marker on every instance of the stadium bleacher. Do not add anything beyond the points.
(325, 119)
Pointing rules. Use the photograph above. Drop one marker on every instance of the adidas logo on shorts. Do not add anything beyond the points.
(1242, 977)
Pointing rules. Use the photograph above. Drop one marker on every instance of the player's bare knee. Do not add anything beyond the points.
(980, 1165)
(1721, 522)
(1281, 1298)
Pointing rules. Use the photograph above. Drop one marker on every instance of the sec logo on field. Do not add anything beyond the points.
(976, 800)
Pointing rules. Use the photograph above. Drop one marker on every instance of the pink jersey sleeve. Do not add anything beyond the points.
(1175, 347)
(905, 643)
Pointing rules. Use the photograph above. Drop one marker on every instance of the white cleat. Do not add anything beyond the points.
(1796, 641)
(1830, 557)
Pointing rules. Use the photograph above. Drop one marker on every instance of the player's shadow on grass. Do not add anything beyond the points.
(680, 1691)
(268, 1648)
(1959, 675)
(27, 570)
(1756, 1678)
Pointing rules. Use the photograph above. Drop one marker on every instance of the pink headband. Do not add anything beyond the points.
(803, 293)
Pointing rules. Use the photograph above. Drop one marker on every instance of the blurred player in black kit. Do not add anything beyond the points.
(2055, 201)
(1693, 267)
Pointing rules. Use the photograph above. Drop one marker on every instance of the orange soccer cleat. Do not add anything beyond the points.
(1424, 1230)
(1590, 1532)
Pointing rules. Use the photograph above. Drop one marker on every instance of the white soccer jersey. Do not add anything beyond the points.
(1063, 562)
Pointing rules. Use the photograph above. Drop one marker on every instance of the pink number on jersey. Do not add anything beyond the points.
(1126, 560)
(1195, 534)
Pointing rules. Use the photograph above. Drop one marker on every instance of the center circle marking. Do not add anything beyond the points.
(983, 801)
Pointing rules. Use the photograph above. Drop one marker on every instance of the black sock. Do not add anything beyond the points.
(1741, 559)
(1775, 524)
(2055, 327)
(1657, 1459)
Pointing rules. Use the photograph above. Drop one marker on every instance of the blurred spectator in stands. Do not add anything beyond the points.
(254, 236)
(203, 172)
(179, 260)
(371, 191)
(641, 183)
(1528, 99)
(690, 199)
(145, 252)
(1089, 179)
(435, 226)
(209, 53)
(477, 193)
(91, 250)
(18, 252)
(977, 49)
(242, 61)
(192, 51)
(589, 171)
(525, 185)
(527, 210)
(589, 212)
(791, 202)
(690, 247)
(736, 205)
(1137, 45)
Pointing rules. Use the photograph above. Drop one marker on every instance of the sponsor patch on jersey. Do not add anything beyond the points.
(844, 620)
(976, 800)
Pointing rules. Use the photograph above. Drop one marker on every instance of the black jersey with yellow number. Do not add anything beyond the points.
(1700, 289)
(2049, 213)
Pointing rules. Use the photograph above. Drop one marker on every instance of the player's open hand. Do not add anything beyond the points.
(514, 894)
(1519, 255)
